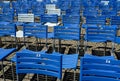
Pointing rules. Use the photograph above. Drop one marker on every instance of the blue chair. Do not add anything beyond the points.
(44, 64)
(7, 17)
(7, 30)
(68, 33)
(64, 5)
(98, 20)
(109, 13)
(115, 20)
(93, 69)
(101, 34)
(71, 20)
(48, 18)
(38, 8)
(35, 30)
(32, 30)
(93, 11)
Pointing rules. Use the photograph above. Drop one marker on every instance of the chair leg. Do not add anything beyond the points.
(105, 49)
(53, 45)
(60, 79)
(37, 77)
(113, 46)
(36, 44)
(59, 45)
(74, 75)
(3, 71)
(46, 77)
(17, 77)
(85, 43)
(12, 71)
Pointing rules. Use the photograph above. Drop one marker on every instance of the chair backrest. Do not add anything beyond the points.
(99, 20)
(71, 19)
(109, 13)
(90, 12)
(67, 32)
(7, 17)
(7, 30)
(95, 69)
(115, 20)
(35, 30)
(49, 18)
(101, 34)
(45, 64)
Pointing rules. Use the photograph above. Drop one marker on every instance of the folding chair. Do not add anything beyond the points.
(32, 30)
(7, 30)
(98, 20)
(44, 64)
(93, 69)
(90, 12)
(48, 18)
(68, 33)
(50, 21)
(6, 18)
(68, 20)
(64, 5)
(36, 30)
(115, 20)
(38, 8)
(101, 34)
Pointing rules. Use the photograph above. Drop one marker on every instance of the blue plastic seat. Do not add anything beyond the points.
(44, 64)
(95, 69)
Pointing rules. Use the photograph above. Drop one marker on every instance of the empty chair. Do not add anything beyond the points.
(44, 64)
(93, 69)
(71, 20)
(90, 12)
(38, 9)
(100, 34)
(6, 18)
(98, 20)
(68, 33)
(48, 18)
(35, 30)
(10, 31)
(109, 13)
(64, 5)
(115, 20)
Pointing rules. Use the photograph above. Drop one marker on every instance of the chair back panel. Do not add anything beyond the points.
(35, 30)
(7, 30)
(106, 33)
(39, 64)
(67, 33)
(95, 69)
